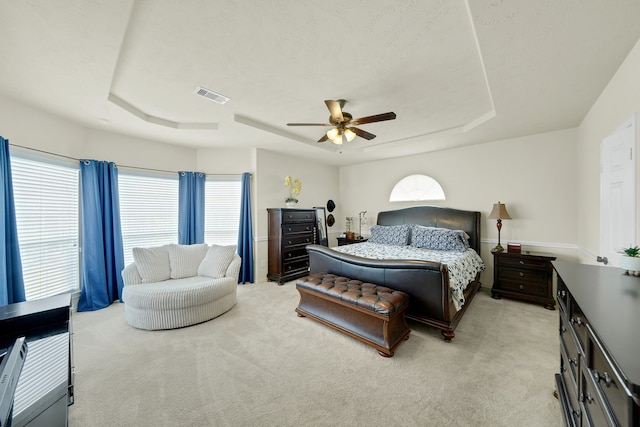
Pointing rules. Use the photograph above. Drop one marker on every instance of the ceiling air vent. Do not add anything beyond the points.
(216, 97)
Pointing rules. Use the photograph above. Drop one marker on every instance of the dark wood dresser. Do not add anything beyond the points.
(46, 385)
(599, 379)
(290, 231)
(527, 276)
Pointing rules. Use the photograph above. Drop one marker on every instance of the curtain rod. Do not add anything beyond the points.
(120, 166)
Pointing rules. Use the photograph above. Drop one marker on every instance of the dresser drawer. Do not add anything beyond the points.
(522, 287)
(569, 349)
(288, 229)
(578, 323)
(295, 266)
(562, 293)
(294, 252)
(527, 262)
(298, 216)
(593, 406)
(295, 240)
(570, 387)
(607, 380)
(539, 276)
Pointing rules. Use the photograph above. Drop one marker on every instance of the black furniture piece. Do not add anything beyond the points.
(599, 379)
(11, 363)
(344, 241)
(370, 313)
(290, 231)
(45, 386)
(526, 276)
(426, 282)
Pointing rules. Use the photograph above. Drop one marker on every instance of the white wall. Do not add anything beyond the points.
(225, 161)
(319, 184)
(619, 100)
(535, 176)
(36, 129)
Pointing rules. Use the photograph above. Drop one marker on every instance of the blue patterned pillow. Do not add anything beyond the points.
(439, 239)
(390, 234)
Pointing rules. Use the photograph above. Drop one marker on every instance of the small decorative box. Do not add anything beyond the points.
(514, 248)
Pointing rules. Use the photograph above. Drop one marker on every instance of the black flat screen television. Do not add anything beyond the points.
(10, 368)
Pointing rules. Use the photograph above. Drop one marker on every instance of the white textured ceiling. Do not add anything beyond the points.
(455, 72)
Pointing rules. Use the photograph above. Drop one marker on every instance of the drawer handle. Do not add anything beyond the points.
(576, 321)
(521, 287)
(573, 362)
(521, 274)
(521, 262)
(587, 397)
(604, 377)
(563, 329)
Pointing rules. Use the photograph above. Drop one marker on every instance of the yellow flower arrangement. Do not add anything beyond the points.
(295, 186)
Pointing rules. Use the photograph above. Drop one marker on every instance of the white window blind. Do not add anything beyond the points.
(46, 202)
(222, 210)
(148, 210)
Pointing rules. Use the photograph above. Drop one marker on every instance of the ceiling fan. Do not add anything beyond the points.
(343, 122)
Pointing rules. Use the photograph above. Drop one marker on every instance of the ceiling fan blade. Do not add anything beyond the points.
(372, 119)
(308, 124)
(324, 138)
(363, 134)
(335, 110)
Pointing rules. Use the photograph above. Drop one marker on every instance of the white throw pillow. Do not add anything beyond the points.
(184, 260)
(152, 263)
(216, 261)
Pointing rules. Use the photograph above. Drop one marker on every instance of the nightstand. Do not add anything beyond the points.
(526, 276)
(344, 241)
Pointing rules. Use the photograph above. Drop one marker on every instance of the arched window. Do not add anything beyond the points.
(416, 187)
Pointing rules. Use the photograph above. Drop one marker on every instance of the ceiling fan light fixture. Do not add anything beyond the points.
(349, 134)
(340, 133)
(339, 136)
(333, 134)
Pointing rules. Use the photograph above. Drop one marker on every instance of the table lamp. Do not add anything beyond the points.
(499, 212)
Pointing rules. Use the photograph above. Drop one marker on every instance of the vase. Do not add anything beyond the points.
(291, 204)
(631, 265)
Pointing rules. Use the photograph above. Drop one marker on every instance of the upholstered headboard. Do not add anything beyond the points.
(437, 216)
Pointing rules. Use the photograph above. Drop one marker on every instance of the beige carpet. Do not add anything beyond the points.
(261, 365)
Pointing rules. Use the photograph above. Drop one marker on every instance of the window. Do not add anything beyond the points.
(46, 202)
(222, 210)
(415, 188)
(148, 210)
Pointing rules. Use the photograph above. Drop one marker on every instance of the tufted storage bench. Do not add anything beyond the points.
(367, 312)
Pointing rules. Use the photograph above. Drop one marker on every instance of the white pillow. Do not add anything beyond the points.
(216, 261)
(152, 263)
(184, 260)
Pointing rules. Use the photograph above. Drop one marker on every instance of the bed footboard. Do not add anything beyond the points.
(426, 282)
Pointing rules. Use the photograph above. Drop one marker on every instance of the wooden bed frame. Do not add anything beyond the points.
(427, 283)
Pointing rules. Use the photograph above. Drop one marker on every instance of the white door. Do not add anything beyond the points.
(618, 191)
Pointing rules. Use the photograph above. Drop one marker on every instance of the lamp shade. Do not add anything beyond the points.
(349, 134)
(332, 134)
(499, 211)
